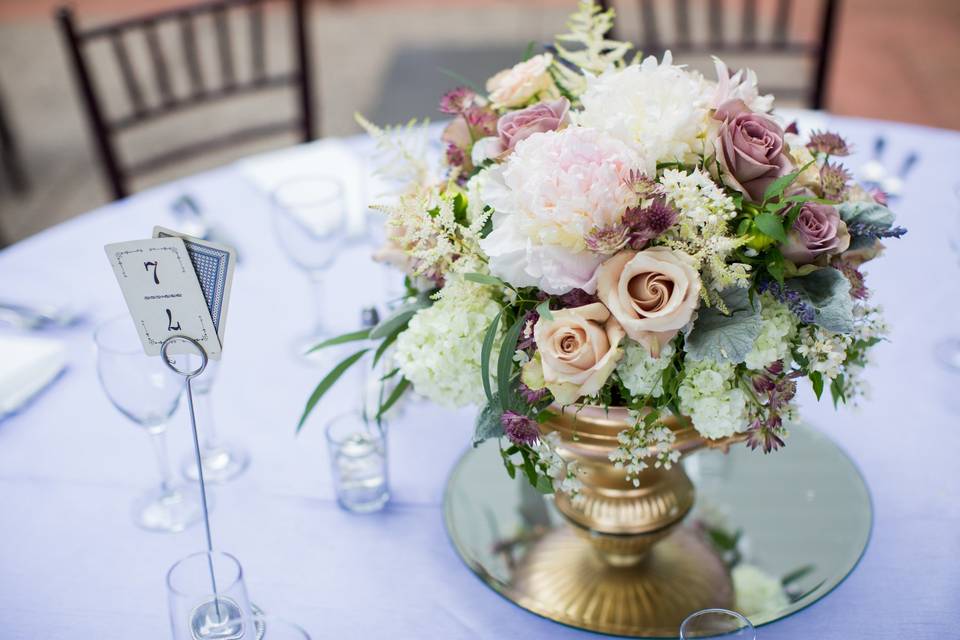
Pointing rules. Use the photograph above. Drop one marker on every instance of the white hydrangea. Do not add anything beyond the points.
(824, 350)
(660, 109)
(439, 352)
(640, 372)
(778, 328)
(756, 591)
(709, 395)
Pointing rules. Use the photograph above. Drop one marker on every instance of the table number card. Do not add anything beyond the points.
(162, 292)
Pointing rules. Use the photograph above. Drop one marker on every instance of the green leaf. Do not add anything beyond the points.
(776, 188)
(505, 362)
(528, 52)
(828, 292)
(363, 334)
(488, 425)
(399, 318)
(390, 374)
(816, 379)
(544, 485)
(836, 391)
(529, 468)
(485, 353)
(483, 278)
(395, 395)
(544, 310)
(389, 340)
(770, 224)
(328, 381)
(725, 338)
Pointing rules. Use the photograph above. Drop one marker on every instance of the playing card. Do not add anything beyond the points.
(213, 263)
(162, 293)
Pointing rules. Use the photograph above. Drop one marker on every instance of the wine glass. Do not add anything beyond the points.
(310, 219)
(717, 623)
(221, 460)
(207, 598)
(147, 392)
(948, 349)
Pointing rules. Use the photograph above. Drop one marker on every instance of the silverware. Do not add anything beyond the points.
(873, 171)
(893, 185)
(23, 316)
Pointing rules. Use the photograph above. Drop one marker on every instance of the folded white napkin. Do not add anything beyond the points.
(329, 157)
(27, 365)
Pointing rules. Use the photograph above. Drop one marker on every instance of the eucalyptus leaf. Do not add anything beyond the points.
(483, 278)
(505, 362)
(725, 338)
(399, 318)
(488, 423)
(828, 292)
(328, 381)
(486, 351)
(353, 336)
(395, 395)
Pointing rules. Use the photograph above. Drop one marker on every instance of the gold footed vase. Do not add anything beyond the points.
(624, 563)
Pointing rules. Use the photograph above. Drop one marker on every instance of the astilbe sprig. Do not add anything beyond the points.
(585, 47)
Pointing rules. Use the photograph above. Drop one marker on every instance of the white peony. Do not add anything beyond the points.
(740, 86)
(439, 352)
(710, 397)
(756, 591)
(778, 328)
(555, 188)
(659, 109)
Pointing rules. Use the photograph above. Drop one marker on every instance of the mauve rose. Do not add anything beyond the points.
(541, 117)
(817, 231)
(750, 148)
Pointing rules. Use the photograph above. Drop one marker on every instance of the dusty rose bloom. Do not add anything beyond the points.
(750, 148)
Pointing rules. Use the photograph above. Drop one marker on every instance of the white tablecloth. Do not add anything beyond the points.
(72, 565)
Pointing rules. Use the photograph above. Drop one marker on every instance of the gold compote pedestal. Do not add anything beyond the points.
(624, 562)
(618, 559)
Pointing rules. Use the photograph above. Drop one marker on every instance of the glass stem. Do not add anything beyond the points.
(317, 284)
(203, 408)
(158, 437)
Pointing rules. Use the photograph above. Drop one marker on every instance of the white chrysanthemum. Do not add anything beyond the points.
(709, 395)
(439, 352)
(640, 372)
(553, 190)
(756, 591)
(740, 86)
(778, 328)
(660, 109)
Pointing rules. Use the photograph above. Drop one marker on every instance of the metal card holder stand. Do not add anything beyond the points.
(221, 617)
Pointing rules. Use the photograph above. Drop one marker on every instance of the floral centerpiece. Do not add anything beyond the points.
(626, 233)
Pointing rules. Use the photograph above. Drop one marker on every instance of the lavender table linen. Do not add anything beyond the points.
(72, 564)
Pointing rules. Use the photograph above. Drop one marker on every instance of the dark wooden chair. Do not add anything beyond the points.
(157, 76)
(10, 157)
(779, 42)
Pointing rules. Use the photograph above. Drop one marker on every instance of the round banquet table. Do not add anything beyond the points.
(73, 565)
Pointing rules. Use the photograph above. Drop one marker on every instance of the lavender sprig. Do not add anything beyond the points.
(794, 301)
(877, 231)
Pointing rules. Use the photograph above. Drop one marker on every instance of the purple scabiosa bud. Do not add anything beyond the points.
(858, 289)
(532, 396)
(792, 128)
(829, 143)
(482, 121)
(455, 101)
(763, 384)
(455, 157)
(519, 429)
(643, 185)
(764, 436)
(576, 298)
(659, 217)
(607, 240)
(775, 368)
(833, 181)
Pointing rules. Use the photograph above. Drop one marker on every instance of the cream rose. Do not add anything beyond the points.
(579, 349)
(652, 293)
(522, 83)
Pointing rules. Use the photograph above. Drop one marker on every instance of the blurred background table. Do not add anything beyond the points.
(74, 566)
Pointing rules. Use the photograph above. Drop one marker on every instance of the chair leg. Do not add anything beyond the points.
(10, 155)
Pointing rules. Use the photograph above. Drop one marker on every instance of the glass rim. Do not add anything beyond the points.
(359, 418)
(336, 194)
(220, 587)
(736, 615)
(104, 344)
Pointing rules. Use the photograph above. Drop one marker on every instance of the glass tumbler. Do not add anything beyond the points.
(195, 612)
(717, 623)
(358, 462)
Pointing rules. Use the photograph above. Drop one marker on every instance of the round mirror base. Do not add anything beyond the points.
(778, 505)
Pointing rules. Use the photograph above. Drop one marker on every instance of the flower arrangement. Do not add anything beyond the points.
(626, 233)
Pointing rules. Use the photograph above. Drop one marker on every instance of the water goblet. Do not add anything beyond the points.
(145, 391)
(358, 462)
(221, 460)
(207, 599)
(310, 218)
(717, 623)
